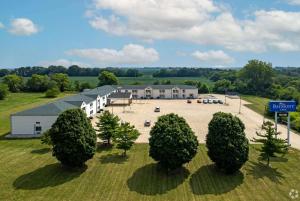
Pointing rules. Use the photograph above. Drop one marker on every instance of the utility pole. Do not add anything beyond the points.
(240, 105)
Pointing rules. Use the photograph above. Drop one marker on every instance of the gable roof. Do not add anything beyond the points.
(101, 91)
(136, 87)
(123, 95)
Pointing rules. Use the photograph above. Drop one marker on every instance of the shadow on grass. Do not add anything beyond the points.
(259, 171)
(208, 180)
(104, 147)
(149, 180)
(41, 151)
(113, 158)
(47, 176)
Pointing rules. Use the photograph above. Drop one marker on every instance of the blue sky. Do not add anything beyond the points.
(196, 33)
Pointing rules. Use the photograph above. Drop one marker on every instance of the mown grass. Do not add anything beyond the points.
(16, 102)
(142, 80)
(29, 172)
(257, 104)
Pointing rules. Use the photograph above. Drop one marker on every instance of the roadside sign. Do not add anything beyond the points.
(282, 106)
(284, 114)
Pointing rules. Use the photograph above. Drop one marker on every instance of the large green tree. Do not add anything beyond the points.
(62, 81)
(107, 126)
(172, 142)
(222, 86)
(272, 145)
(3, 91)
(14, 82)
(73, 137)
(226, 142)
(258, 76)
(125, 137)
(38, 83)
(107, 78)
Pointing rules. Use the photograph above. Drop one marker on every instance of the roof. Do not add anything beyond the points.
(101, 91)
(124, 95)
(180, 86)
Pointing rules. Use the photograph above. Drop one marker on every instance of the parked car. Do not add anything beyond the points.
(221, 102)
(205, 101)
(210, 101)
(199, 101)
(215, 101)
(147, 123)
(157, 109)
(189, 101)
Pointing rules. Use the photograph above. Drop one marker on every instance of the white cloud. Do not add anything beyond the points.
(1, 25)
(198, 21)
(293, 2)
(23, 27)
(213, 57)
(129, 54)
(63, 62)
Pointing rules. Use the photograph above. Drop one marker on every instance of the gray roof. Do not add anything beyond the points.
(181, 86)
(125, 95)
(101, 91)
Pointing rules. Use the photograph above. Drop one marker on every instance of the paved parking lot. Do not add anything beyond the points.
(197, 115)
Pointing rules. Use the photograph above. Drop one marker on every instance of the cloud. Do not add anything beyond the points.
(129, 54)
(198, 21)
(63, 62)
(293, 2)
(23, 27)
(1, 25)
(213, 57)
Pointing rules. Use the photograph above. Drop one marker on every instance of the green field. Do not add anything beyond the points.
(29, 172)
(16, 102)
(257, 104)
(143, 80)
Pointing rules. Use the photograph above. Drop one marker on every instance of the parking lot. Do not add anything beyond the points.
(198, 115)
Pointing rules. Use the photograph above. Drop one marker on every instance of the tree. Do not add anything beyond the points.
(46, 138)
(14, 82)
(258, 75)
(107, 126)
(272, 145)
(52, 92)
(204, 89)
(125, 137)
(62, 81)
(172, 142)
(73, 137)
(221, 86)
(3, 91)
(226, 142)
(107, 78)
(85, 85)
(38, 83)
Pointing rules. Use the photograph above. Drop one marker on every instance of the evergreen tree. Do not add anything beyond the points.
(272, 145)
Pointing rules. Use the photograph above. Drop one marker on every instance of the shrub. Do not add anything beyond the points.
(73, 138)
(226, 142)
(46, 138)
(3, 91)
(172, 141)
(52, 92)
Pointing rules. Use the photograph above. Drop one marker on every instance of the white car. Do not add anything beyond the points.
(205, 101)
(210, 101)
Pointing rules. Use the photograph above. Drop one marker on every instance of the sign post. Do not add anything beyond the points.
(283, 107)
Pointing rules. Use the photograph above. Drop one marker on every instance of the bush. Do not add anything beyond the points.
(46, 138)
(172, 141)
(226, 142)
(73, 138)
(3, 91)
(52, 92)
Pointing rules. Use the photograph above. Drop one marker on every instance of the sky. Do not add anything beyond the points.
(149, 33)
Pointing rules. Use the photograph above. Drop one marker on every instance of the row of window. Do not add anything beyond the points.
(160, 91)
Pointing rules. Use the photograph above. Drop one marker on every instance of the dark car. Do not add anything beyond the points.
(215, 101)
(189, 101)
(199, 101)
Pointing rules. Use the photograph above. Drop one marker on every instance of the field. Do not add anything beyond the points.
(257, 104)
(16, 102)
(143, 80)
(29, 172)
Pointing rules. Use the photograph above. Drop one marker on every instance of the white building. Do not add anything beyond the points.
(161, 91)
(33, 122)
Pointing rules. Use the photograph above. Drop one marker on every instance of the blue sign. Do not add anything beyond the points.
(282, 106)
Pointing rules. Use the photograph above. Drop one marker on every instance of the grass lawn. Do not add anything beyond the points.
(16, 102)
(143, 80)
(29, 172)
(257, 104)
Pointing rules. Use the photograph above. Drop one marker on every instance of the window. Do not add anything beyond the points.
(126, 91)
(83, 108)
(91, 112)
(37, 122)
(148, 91)
(91, 105)
(175, 91)
(134, 91)
(38, 128)
(103, 98)
(161, 91)
(183, 90)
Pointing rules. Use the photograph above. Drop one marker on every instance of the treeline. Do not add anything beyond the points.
(71, 71)
(185, 72)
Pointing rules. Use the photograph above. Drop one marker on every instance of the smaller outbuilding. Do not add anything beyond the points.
(120, 98)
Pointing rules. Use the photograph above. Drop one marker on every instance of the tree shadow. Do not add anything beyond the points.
(47, 176)
(113, 158)
(150, 180)
(41, 151)
(103, 147)
(208, 180)
(259, 171)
